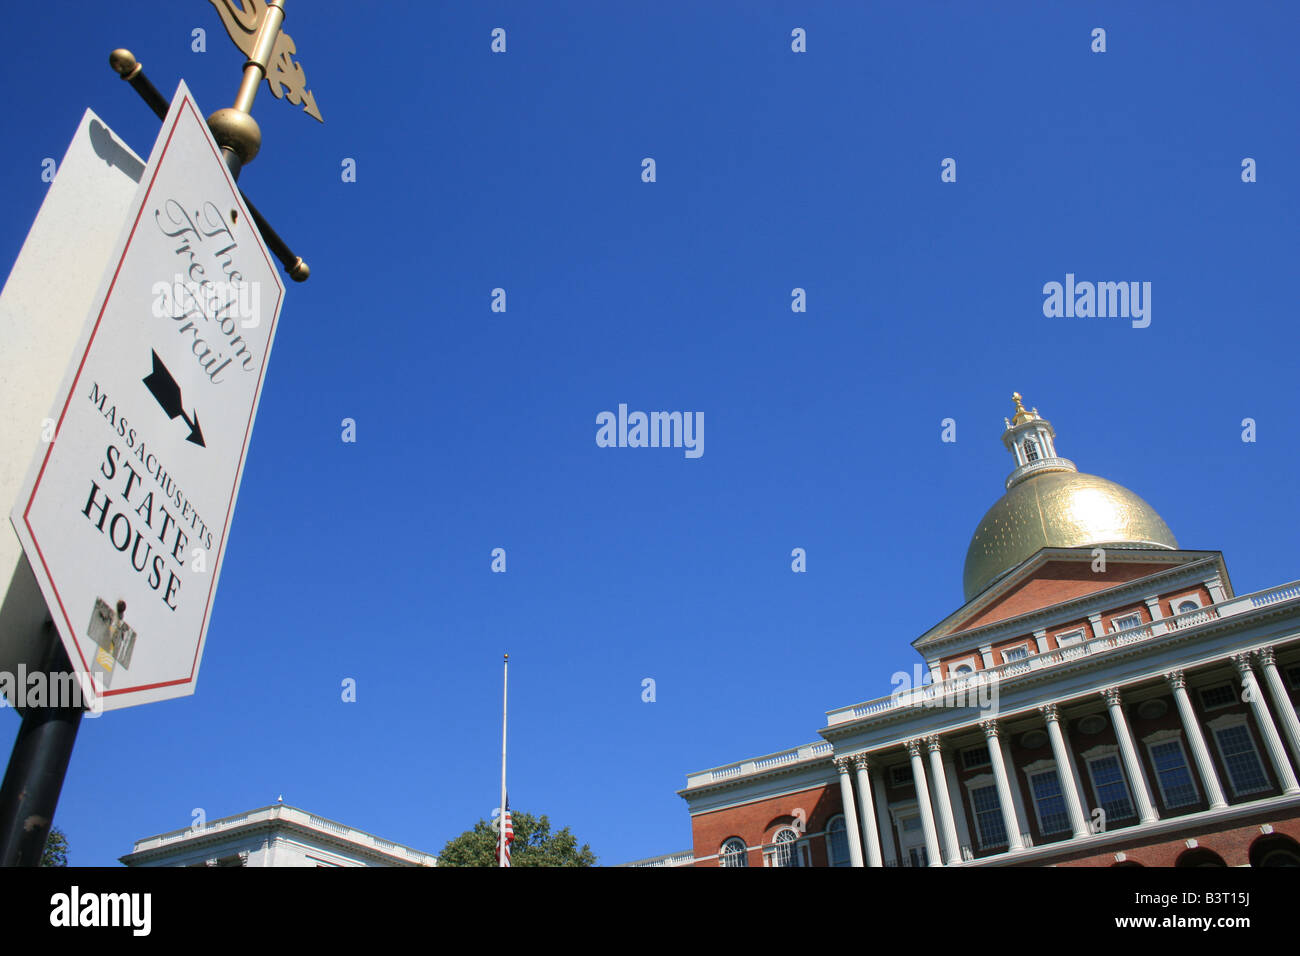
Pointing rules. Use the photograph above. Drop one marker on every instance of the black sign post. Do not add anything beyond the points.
(34, 778)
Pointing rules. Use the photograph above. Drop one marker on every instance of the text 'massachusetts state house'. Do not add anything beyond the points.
(1103, 697)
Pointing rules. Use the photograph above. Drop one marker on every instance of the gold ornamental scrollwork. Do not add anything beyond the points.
(284, 75)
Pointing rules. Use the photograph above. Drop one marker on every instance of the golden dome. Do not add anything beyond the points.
(1058, 509)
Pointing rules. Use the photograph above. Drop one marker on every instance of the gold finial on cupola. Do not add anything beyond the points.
(1021, 415)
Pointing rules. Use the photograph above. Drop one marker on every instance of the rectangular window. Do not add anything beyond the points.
(1069, 637)
(1125, 622)
(974, 757)
(1015, 653)
(915, 853)
(1245, 772)
(1212, 698)
(900, 776)
(1173, 775)
(839, 843)
(988, 816)
(1049, 801)
(1293, 677)
(1112, 790)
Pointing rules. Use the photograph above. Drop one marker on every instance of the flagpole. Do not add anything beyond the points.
(501, 820)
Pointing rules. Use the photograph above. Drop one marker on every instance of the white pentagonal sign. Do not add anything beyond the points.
(125, 512)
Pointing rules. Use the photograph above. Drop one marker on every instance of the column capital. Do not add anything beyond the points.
(861, 762)
(990, 728)
(913, 747)
(1050, 712)
(1265, 656)
(1242, 663)
(842, 764)
(1112, 696)
(1177, 680)
(933, 744)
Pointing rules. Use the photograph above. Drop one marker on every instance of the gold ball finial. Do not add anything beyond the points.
(237, 131)
(300, 271)
(124, 63)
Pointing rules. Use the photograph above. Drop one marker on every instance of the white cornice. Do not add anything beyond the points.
(940, 640)
(720, 787)
(841, 733)
(278, 818)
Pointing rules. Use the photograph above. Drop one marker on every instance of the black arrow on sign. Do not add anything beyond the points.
(164, 388)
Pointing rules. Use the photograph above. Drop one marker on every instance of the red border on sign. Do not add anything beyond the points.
(187, 106)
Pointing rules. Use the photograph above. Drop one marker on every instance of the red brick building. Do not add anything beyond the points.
(1102, 698)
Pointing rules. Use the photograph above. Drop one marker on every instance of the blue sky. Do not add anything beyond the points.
(476, 430)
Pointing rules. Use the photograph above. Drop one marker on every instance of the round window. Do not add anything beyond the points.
(1092, 725)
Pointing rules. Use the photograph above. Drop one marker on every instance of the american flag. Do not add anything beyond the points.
(508, 828)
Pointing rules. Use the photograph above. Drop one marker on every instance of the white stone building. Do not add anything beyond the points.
(277, 835)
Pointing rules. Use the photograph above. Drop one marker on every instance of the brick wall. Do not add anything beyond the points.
(1057, 582)
(1231, 844)
(757, 823)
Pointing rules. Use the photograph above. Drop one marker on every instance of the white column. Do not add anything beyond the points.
(1009, 821)
(923, 804)
(1137, 778)
(1281, 701)
(1040, 638)
(1094, 621)
(1079, 789)
(850, 814)
(1200, 752)
(958, 808)
(884, 825)
(1215, 586)
(946, 820)
(1065, 771)
(1017, 792)
(867, 809)
(1254, 695)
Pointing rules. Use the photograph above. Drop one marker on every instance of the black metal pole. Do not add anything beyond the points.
(37, 766)
(131, 71)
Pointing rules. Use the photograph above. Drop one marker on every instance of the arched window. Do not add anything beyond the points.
(1199, 856)
(1281, 858)
(837, 842)
(733, 853)
(786, 851)
(1185, 606)
(1031, 450)
(1275, 850)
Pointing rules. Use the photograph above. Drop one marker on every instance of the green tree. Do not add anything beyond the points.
(534, 845)
(56, 849)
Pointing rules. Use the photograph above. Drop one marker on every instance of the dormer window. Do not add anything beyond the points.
(1031, 450)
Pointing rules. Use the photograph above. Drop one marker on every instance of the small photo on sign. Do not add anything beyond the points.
(116, 638)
